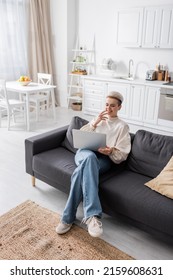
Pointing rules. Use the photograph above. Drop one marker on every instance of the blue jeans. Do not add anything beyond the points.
(84, 185)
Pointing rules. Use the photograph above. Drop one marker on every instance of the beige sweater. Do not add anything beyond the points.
(117, 136)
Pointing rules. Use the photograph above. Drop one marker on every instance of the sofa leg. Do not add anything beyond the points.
(33, 181)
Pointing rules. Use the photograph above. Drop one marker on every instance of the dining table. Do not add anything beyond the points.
(32, 88)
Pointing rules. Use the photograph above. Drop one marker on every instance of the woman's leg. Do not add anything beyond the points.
(84, 183)
(75, 197)
(93, 165)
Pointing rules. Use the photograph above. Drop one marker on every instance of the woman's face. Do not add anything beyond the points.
(112, 106)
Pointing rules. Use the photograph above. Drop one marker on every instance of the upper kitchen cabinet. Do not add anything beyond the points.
(129, 27)
(150, 27)
(158, 27)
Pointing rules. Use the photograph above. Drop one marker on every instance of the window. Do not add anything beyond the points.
(13, 39)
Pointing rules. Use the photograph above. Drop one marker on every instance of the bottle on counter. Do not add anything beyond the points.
(166, 76)
(160, 73)
(163, 70)
(157, 70)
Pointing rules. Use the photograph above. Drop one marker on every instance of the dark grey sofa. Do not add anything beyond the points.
(122, 190)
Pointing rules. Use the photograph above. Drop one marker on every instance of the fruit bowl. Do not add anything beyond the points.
(24, 83)
(24, 80)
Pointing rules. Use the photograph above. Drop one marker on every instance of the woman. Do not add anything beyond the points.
(85, 178)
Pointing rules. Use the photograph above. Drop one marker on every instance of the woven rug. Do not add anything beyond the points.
(27, 232)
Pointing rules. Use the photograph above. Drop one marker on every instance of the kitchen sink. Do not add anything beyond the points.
(124, 78)
(168, 84)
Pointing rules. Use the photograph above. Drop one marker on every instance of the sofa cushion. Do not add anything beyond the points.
(76, 123)
(150, 153)
(163, 183)
(126, 194)
(56, 164)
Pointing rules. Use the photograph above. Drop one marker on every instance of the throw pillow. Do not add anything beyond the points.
(163, 183)
(76, 123)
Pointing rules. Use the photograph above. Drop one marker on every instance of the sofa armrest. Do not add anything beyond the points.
(42, 142)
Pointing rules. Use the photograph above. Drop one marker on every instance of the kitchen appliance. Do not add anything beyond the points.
(150, 75)
(166, 105)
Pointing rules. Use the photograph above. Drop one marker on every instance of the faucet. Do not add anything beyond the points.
(129, 72)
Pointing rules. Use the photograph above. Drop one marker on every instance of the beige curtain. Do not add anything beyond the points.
(40, 55)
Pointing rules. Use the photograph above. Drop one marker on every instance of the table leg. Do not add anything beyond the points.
(53, 103)
(27, 112)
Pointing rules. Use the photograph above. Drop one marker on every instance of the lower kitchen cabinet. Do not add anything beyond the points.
(124, 89)
(136, 103)
(151, 106)
(133, 104)
(140, 105)
(94, 96)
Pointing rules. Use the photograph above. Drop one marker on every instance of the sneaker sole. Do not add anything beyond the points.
(95, 234)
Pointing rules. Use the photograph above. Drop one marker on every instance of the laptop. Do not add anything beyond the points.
(88, 140)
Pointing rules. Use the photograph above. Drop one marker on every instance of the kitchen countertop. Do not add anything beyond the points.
(155, 83)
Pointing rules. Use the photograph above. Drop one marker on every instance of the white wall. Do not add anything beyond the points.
(97, 17)
(64, 26)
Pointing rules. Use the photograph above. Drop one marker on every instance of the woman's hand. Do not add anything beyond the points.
(101, 117)
(105, 150)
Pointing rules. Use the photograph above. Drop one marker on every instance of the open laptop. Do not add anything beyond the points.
(88, 140)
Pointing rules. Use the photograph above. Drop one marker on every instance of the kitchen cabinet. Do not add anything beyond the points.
(129, 27)
(141, 104)
(95, 92)
(158, 27)
(150, 27)
(94, 96)
(136, 103)
(151, 105)
(165, 34)
(132, 106)
(124, 89)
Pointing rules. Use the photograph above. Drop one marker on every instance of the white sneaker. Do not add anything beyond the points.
(63, 228)
(94, 226)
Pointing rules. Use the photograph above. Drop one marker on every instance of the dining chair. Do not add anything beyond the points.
(41, 100)
(10, 107)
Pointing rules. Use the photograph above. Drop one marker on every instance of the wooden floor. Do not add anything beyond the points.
(15, 188)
